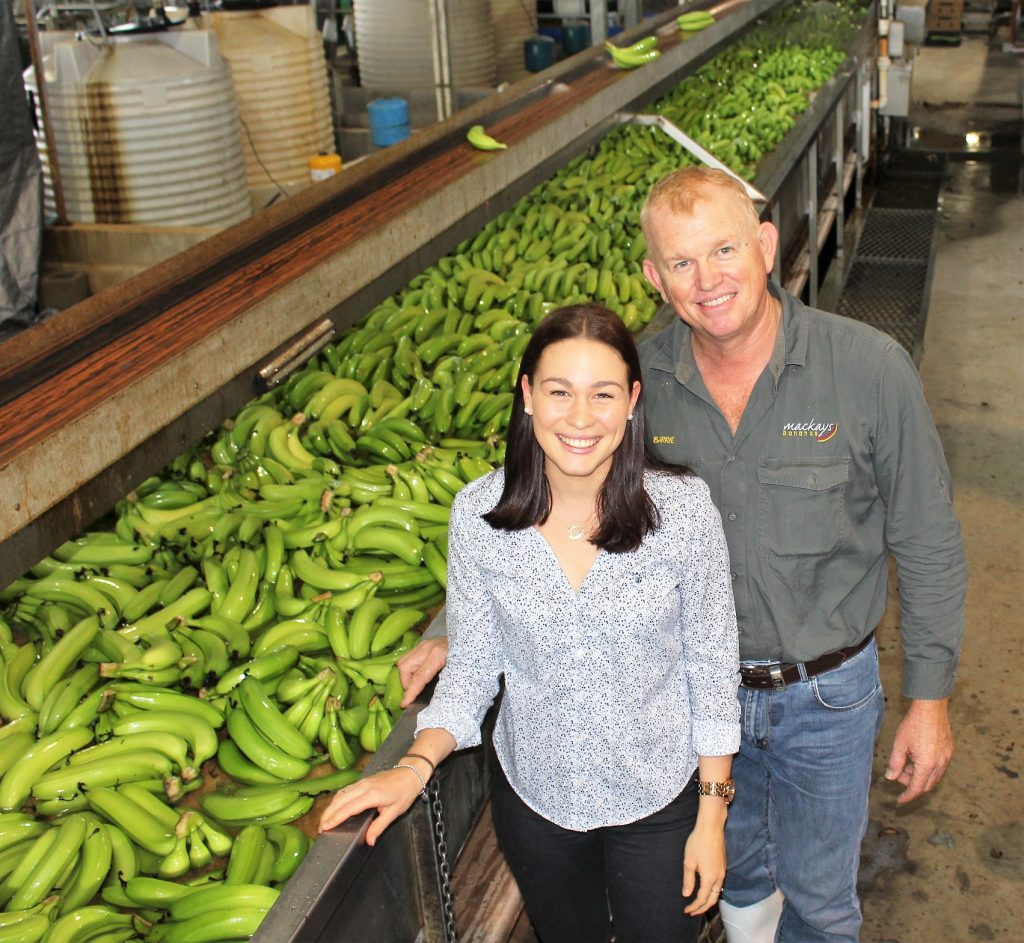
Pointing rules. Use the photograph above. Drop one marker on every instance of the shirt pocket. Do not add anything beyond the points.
(801, 506)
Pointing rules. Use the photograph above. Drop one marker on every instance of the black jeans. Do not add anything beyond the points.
(571, 880)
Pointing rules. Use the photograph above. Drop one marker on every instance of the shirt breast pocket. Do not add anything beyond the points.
(801, 506)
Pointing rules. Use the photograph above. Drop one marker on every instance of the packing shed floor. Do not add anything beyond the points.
(950, 866)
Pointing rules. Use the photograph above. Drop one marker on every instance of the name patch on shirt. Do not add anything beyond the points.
(812, 429)
(663, 440)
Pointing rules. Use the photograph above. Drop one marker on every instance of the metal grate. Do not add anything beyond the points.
(908, 192)
(889, 296)
(897, 234)
(889, 278)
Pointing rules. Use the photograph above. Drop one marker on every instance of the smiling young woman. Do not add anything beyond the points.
(595, 582)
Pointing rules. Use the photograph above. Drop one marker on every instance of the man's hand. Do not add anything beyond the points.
(921, 749)
(418, 668)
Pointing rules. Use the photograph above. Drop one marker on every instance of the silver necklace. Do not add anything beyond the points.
(576, 532)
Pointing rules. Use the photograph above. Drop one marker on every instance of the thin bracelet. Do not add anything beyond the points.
(420, 756)
(418, 775)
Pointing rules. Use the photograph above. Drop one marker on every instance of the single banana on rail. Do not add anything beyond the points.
(482, 141)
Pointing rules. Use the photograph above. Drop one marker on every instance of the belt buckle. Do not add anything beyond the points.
(775, 673)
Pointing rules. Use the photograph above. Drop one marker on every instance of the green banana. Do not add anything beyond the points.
(481, 140)
(240, 768)
(137, 823)
(195, 601)
(11, 751)
(87, 923)
(131, 765)
(257, 748)
(148, 698)
(406, 546)
(270, 721)
(362, 625)
(312, 574)
(200, 735)
(275, 662)
(64, 697)
(20, 829)
(17, 782)
(241, 810)
(695, 20)
(303, 633)
(42, 878)
(393, 627)
(124, 862)
(29, 928)
(291, 845)
(217, 925)
(245, 856)
(93, 868)
(176, 862)
(144, 891)
(83, 599)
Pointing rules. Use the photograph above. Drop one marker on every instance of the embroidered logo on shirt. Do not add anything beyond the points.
(812, 429)
(663, 440)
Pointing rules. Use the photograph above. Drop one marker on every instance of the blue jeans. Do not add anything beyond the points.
(801, 807)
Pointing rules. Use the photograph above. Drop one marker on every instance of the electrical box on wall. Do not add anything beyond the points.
(897, 104)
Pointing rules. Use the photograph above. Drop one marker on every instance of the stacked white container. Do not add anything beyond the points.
(394, 42)
(146, 130)
(277, 63)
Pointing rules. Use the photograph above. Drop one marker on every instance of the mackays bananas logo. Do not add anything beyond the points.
(812, 429)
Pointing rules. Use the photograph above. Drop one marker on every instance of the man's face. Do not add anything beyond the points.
(711, 265)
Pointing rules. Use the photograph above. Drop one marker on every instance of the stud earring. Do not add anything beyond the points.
(527, 410)
(630, 416)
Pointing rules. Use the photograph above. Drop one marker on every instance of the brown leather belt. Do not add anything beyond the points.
(776, 676)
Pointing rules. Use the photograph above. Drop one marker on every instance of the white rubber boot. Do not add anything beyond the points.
(754, 924)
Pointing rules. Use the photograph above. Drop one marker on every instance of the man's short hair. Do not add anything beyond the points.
(682, 189)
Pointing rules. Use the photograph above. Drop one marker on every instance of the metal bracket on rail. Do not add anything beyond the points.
(294, 354)
(684, 140)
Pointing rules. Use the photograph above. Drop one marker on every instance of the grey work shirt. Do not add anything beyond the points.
(836, 460)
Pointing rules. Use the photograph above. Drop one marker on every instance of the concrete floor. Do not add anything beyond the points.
(950, 867)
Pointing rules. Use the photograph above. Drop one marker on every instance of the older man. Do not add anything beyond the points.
(813, 434)
(821, 454)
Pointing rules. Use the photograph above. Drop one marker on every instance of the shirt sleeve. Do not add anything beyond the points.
(710, 637)
(921, 530)
(469, 682)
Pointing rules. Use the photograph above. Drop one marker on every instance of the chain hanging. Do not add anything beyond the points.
(436, 812)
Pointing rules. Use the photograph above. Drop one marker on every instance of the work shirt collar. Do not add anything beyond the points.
(790, 343)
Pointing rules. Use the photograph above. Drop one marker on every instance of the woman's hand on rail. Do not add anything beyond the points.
(418, 668)
(390, 792)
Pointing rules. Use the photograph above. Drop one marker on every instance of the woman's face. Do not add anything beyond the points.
(581, 399)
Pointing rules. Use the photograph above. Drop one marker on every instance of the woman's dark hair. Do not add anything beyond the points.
(626, 513)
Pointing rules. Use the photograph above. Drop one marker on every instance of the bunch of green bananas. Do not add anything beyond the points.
(695, 20)
(639, 53)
